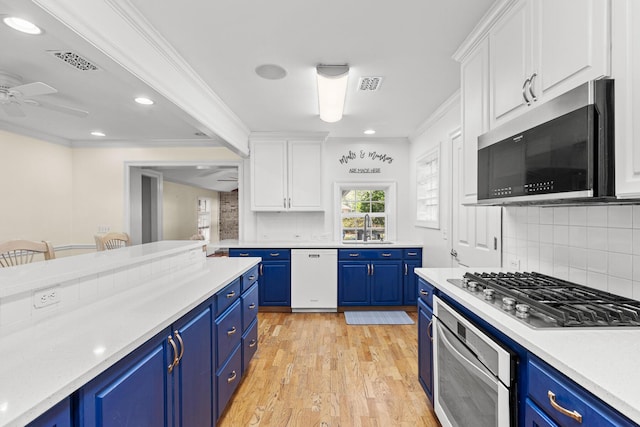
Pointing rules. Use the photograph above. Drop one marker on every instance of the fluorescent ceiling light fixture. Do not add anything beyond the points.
(22, 25)
(98, 133)
(369, 132)
(332, 90)
(144, 101)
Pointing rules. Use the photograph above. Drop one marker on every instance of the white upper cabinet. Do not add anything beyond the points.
(475, 117)
(626, 72)
(540, 49)
(286, 175)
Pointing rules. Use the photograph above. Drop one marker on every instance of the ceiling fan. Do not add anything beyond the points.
(14, 95)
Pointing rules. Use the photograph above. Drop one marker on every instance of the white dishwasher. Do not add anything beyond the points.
(314, 280)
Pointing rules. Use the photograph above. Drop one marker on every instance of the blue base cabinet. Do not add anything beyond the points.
(60, 415)
(411, 259)
(425, 337)
(369, 277)
(274, 272)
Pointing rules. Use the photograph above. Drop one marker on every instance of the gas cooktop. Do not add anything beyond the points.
(542, 301)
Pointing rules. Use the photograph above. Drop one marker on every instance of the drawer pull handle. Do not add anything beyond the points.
(177, 335)
(386, 255)
(252, 277)
(412, 253)
(354, 255)
(231, 294)
(571, 414)
(231, 377)
(429, 330)
(406, 269)
(423, 292)
(243, 254)
(252, 306)
(372, 270)
(261, 271)
(275, 254)
(253, 343)
(175, 354)
(232, 331)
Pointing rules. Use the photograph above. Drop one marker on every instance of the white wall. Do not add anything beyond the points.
(180, 211)
(597, 246)
(437, 132)
(292, 226)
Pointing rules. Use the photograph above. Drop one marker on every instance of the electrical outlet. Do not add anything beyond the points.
(45, 297)
(514, 263)
(104, 229)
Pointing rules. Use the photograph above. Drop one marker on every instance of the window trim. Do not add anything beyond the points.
(428, 156)
(390, 205)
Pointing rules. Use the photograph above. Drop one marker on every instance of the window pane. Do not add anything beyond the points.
(377, 207)
(363, 195)
(378, 195)
(348, 195)
(364, 207)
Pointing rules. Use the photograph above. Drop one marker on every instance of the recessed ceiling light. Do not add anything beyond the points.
(98, 133)
(271, 71)
(22, 25)
(144, 101)
(369, 132)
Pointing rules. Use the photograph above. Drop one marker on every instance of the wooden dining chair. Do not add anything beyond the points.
(18, 252)
(113, 240)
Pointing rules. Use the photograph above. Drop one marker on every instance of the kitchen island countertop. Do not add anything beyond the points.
(602, 360)
(312, 244)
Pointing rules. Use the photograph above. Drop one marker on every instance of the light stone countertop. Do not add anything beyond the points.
(314, 244)
(46, 362)
(602, 360)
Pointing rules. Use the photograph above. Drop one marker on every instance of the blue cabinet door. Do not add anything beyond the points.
(425, 349)
(410, 282)
(386, 283)
(134, 392)
(193, 377)
(275, 283)
(353, 280)
(58, 416)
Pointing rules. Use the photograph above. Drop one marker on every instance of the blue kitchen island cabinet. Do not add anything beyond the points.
(166, 382)
(425, 337)
(411, 259)
(274, 272)
(370, 277)
(58, 416)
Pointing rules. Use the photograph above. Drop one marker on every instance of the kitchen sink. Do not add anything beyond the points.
(368, 242)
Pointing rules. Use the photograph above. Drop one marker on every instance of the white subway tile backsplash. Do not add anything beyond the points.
(15, 308)
(546, 233)
(636, 290)
(533, 250)
(561, 216)
(578, 276)
(546, 215)
(578, 236)
(597, 281)
(636, 241)
(533, 215)
(622, 287)
(597, 238)
(533, 232)
(546, 268)
(620, 240)
(561, 271)
(521, 231)
(578, 258)
(560, 256)
(620, 216)
(533, 264)
(620, 265)
(546, 253)
(597, 216)
(578, 215)
(636, 268)
(561, 235)
(597, 261)
(636, 216)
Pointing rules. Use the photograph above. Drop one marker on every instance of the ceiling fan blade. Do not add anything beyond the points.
(13, 110)
(34, 89)
(57, 107)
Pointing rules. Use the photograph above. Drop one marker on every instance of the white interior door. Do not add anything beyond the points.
(476, 230)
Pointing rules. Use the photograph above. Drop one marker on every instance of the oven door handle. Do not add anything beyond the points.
(477, 368)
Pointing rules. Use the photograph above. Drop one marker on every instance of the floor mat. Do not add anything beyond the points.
(377, 318)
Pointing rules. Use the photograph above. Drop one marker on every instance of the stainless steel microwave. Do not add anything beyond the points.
(559, 152)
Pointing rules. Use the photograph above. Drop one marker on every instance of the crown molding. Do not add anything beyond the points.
(151, 143)
(368, 140)
(441, 111)
(288, 136)
(19, 130)
(121, 32)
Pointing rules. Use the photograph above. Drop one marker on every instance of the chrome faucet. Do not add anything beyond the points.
(366, 230)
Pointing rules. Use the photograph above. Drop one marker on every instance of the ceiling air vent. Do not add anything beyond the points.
(74, 60)
(369, 84)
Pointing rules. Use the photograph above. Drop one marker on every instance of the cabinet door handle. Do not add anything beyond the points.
(423, 292)
(571, 414)
(253, 343)
(289, 202)
(177, 335)
(175, 354)
(429, 330)
(386, 255)
(354, 255)
(284, 202)
(524, 94)
(252, 306)
(412, 253)
(231, 294)
(534, 98)
(406, 269)
(232, 377)
(372, 270)
(274, 254)
(232, 331)
(243, 254)
(368, 269)
(261, 272)
(252, 277)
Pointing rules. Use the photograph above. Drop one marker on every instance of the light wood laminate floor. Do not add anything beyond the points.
(312, 369)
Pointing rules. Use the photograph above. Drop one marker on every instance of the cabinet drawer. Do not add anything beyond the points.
(249, 278)
(227, 296)
(249, 344)
(412, 254)
(534, 417)
(544, 380)
(249, 306)
(265, 254)
(425, 292)
(372, 254)
(228, 378)
(228, 332)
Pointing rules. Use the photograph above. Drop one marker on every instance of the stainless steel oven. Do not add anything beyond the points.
(474, 376)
